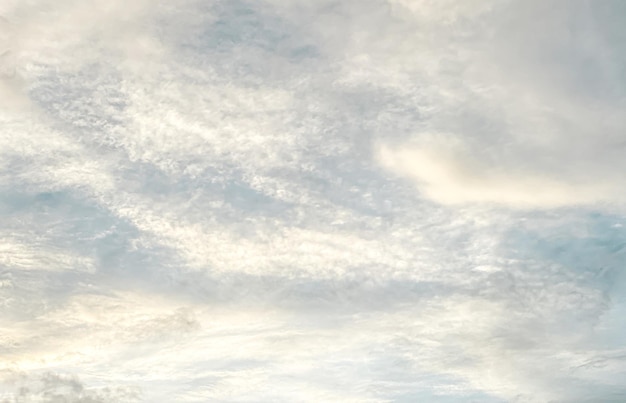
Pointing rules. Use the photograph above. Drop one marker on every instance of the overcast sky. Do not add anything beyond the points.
(312, 201)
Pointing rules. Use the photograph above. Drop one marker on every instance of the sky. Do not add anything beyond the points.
(312, 201)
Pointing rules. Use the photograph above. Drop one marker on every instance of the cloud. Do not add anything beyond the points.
(519, 116)
(453, 177)
(53, 387)
(208, 201)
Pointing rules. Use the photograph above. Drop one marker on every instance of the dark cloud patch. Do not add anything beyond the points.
(52, 387)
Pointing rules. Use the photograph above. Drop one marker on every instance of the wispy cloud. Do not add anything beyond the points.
(363, 201)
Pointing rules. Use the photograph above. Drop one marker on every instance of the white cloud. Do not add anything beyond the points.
(527, 111)
(34, 254)
(454, 177)
(200, 201)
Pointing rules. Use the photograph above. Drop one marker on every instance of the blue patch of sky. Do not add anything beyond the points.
(81, 226)
(198, 192)
(243, 23)
(241, 40)
(239, 23)
(589, 250)
(595, 244)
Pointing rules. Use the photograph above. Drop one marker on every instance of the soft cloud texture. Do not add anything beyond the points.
(451, 176)
(365, 201)
(524, 106)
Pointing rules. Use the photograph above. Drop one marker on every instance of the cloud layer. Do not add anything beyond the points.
(523, 106)
(362, 201)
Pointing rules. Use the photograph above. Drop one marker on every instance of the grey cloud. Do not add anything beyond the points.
(53, 387)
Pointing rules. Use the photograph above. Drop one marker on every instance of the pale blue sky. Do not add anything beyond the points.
(309, 201)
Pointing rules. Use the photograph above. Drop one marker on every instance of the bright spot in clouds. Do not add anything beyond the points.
(296, 201)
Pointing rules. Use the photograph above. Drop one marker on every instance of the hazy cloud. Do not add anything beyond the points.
(527, 114)
(362, 201)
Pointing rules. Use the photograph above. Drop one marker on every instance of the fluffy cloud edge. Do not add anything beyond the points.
(450, 175)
